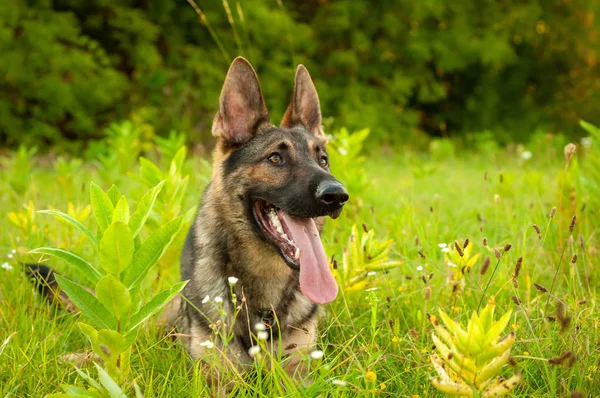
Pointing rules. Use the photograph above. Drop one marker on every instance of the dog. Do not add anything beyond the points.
(255, 242)
(259, 224)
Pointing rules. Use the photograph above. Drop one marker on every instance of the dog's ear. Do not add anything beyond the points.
(304, 109)
(242, 109)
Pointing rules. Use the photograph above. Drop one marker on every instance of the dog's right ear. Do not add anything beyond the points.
(242, 109)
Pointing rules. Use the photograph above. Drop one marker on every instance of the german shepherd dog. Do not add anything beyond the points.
(259, 221)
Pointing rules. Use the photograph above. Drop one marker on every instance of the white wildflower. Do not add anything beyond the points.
(526, 155)
(338, 382)
(206, 299)
(451, 264)
(442, 245)
(14, 251)
(218, 300)
(446, 250)
(262, 335)
(207, 344)
(420, 268)
(586, 142)
(260, 327)
(10, 255)
(7, 266)
(254, 350)
(232, 280)
(371, 273)
(316, 354)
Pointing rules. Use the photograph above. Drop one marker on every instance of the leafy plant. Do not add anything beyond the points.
(590, 170)
(470, 360)
(117, 310)
(345, 150)
(363, 254)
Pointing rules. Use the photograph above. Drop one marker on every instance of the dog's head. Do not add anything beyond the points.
(280, 174)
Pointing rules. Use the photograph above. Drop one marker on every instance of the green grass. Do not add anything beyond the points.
(417, 201)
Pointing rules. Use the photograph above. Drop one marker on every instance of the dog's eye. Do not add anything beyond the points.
(276, 158)
(323, 162)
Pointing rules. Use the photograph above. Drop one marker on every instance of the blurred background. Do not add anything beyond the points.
(475, 71)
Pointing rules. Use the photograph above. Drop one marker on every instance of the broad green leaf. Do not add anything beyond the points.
(73, 391)
(89, 331)
(138, 219)
(87, 269)
(116, 248)
(151, 251)
(179, 158)
(114, 194)
(102, 207)
(114, 296)
(74, 222)
(87, 303)
(115, 342)
(113, 389)
(89, 379)
(121, 212)
(149, 172)
(154, 305)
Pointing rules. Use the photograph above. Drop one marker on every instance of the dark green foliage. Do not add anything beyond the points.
(70, 67)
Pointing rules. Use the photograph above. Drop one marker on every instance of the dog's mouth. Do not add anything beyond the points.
(300, 246)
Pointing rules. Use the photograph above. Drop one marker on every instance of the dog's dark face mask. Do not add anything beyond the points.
(287, 182)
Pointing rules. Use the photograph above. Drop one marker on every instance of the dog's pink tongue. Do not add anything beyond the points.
(316, 280)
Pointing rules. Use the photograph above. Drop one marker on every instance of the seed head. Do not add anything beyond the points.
(497, 254)
(574, 259)
(466, 243)
(516, 300)
(540, 288)
(485, 265)
(518, 267)
(570, 149)
(507, 247)
(581, 242)
(537, 230)
(485, 242)
(365, 228)
(421, 254)
(572, 225)
(458, 249)
(552, 212)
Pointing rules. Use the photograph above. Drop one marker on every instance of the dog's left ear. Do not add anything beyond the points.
(304, 109)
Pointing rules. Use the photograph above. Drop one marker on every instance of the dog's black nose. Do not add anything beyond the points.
(332, 194)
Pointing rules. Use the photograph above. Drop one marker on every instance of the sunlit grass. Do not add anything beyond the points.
(376, 337)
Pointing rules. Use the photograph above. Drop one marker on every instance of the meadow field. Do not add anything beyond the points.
(446, 226)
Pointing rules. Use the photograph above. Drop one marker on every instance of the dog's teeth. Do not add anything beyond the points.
(297, 254)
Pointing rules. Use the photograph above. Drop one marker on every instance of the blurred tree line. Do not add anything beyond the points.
(404, 67)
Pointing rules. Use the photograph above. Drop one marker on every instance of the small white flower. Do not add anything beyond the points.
(316, 354)
(7, 266)
(371, 289)
(451, 264)
(260, 326)
(442, 245)
(218, 300)
(254, 350)
(14, 251)
(445, 250)
(586, 142)
(206, 299)
(343, 151)
(262, 335)
(208, 344)
(232, 280)
(10, 255)
(526, 155)
(420, 268)
(338, 382)
(371, 273)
